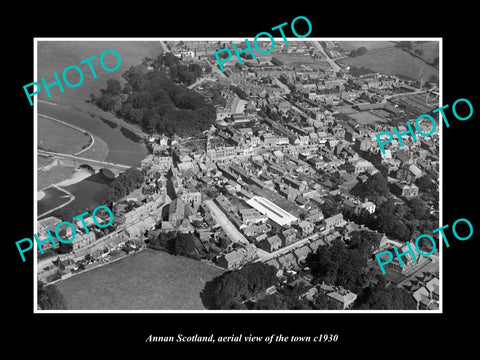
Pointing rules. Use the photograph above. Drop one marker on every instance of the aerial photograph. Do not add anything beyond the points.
(199, 176)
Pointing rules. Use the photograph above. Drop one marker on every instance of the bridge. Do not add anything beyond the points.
(92, 165)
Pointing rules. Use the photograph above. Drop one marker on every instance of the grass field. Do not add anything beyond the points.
(57, 137)
(298, 60)
(369, 45)
(55, 56)
(148, 280)
(365, 117)
(430, 50)
(393, 61)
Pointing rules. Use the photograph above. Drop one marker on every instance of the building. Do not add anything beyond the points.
(405, 190)
(252, 216)
(409, 262)
(49, 224)
(301, 253)
(237, 257)
(274, 212)
(342, 298)
(270, 244)
(289, 236)
(333, 221)
(306, 227)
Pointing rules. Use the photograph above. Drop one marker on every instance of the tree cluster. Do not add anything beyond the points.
(336, 264)
(374, 187)
(365, 242)
(126, 182)
(330, 206)
(109, 99)
(285, 298)
(379, 296)
(426, 184)
(234, 287)
(358, 52)
(405, 45)
(181, 244)
(49, 297)
(359, 71)
(158, 104)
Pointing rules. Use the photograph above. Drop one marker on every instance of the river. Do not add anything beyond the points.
(91, 191)
(121, 149)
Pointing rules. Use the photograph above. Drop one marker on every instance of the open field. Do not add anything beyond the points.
(148, 280)
(393, 61)
(57, 137)
(297, 60)
(369, 45)
(55, 56)
(430, 50)
(366, 117)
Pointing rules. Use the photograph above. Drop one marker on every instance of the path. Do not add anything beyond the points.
(92, 140)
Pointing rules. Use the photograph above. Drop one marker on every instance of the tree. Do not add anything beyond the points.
(113, 87)
(49, 297)
(240, 285)
(185, 245)
(64, 248)
(361, 50)
(426, 184)
(419, 52)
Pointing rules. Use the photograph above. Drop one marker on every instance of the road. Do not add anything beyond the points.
(265, 256)
(332, 63)
(164, 47)
(226, 224)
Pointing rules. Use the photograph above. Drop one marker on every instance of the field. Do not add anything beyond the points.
(298, 60)
(369, 45)
(430, 50)
(148, 280)
(57, 137)
(393, 61)
(365, 117)
(55, 56)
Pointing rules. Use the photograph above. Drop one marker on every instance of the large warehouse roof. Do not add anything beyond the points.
(274, 213)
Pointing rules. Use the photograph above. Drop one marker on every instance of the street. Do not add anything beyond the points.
(226, 224)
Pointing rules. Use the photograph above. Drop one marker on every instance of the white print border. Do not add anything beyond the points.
(293, 39)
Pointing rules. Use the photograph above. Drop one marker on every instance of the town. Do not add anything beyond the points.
(289, 175)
